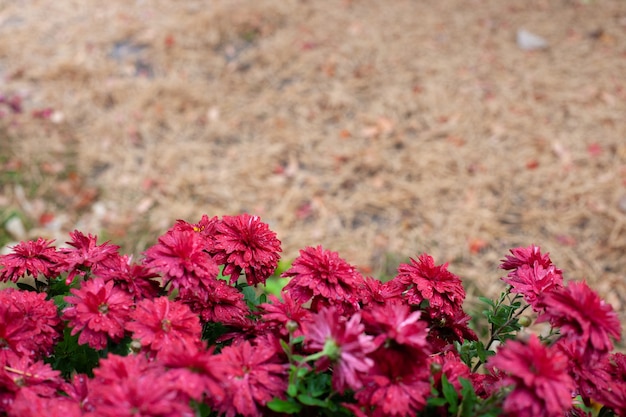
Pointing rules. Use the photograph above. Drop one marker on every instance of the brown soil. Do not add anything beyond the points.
(380, 130)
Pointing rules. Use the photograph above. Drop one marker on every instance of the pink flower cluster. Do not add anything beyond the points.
(386, 346)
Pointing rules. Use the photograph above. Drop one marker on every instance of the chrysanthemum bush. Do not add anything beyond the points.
(202, 325)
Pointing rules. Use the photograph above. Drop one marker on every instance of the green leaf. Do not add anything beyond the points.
(292, 389)
(449, 393)
(488, 301)
(282, 406)
(437, 401)
(308, 400)
(469, 398)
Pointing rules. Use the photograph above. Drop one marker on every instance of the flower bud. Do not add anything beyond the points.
(524, 321)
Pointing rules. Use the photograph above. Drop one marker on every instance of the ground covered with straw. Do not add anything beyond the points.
(377, 130)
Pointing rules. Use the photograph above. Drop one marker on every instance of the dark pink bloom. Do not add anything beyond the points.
(195, 369)
(253, 375)
(527, 256)
(533, 281)
(346, 346)
(245, 243)
(32, 258)
(32, 315)
(375, 292)
(396, 324)
(21, 373)
(98, 310)
(279, 315)
(590, 376)
(220, 303)
(585, 320)
(85, 254)
(158, 322)
(28, 403)
(131, 386)
(538, 374)
(395, 386)
(452, 367)
(137, 280)
(614, 396)
(206, 228)
(445, 330)
(424, 280)
(181, 258)
(323, 275)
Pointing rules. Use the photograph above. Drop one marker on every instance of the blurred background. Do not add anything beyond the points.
(381, 130)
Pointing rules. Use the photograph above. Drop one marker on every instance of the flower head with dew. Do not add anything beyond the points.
(34, 258)
(245, 243)
(541, 385)
(324, 277)
(585, 320)
(99, 311)
(157, 322)
(180, 257)
(341, 343)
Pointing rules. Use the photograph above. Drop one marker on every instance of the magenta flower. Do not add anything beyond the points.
(137, 280)
(29, 324)
(156, 323)
(345, 345)
(97, 310)
(425, 281)
(533, 281)
(323, 276)
(255, 377)
(452, 367)
(585, 320)
(394, 386)
(395, 323)
(220, 303)
(279, 316)
(614, 396)
(245, 243)
(375, 292)
(28, 403)
(32, 258)
(181, 258)
(21, 373)
(85, 254)
(538, 374)
(527, 256)
(131, 386)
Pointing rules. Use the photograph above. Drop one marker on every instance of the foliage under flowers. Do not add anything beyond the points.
(191, 330)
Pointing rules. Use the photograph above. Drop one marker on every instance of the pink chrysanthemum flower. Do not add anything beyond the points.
(283, 317)
(445, 330)
(395, 386)
(253, 373)
(97, 310)
(85, 254)
(32, 258)
(158, 322)
(131, 386)
(614, 396)
(450, 365)
(585, 320)
(424, 280)
(396, 323)
(206, 228)
(21, 373)
(28, 403)
(345, 344)
(538, 374)
(375, 292)
(220, 303)
(245, 243)
(323, 276)
(181, 258)
(137, 280)
(195, 370)
(527, 256)
(533, 281)
(34, 317)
